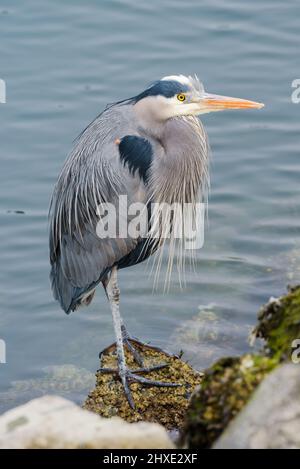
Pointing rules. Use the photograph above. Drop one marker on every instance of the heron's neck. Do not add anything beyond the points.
(180, 170)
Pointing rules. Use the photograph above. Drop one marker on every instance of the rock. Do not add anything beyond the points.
(272, 417)
(230, 382)
(54, 422)
(225, 389)
(279, 324)
(163, 405)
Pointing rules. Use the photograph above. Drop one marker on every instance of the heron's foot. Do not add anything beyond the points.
(132, 376)
(133, 344)
(128, 376)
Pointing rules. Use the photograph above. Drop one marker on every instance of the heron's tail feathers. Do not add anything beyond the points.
(69, 297)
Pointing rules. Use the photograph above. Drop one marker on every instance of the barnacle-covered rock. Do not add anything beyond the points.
(154, 404)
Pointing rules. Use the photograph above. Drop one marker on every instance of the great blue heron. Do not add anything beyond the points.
(150, 147)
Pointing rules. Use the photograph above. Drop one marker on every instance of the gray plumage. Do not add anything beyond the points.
(94, 173)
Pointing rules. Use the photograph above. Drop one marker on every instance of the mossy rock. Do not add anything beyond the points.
(225, 389)
(279, 324)
(230, 382)
(166, 406)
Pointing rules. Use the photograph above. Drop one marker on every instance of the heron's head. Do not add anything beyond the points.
(178, 95)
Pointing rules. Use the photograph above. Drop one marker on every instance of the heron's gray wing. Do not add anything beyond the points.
(97, 171)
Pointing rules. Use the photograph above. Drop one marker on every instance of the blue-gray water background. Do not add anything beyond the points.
(62, 62)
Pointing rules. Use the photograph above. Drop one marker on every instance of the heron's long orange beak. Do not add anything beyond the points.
(215, 102)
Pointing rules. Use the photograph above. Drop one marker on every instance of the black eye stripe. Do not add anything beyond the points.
(165, 88)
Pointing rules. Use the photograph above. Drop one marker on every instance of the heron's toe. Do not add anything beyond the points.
(135, 378)
(147, 369)
(135, 353)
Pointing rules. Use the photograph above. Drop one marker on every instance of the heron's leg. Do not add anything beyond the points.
(131, 343)
(127, 343)
(113, 294)
(134, 342)
(124, 373)
(125, 336)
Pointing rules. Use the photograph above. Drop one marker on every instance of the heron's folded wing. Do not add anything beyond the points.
(79, 257)
(79, 265)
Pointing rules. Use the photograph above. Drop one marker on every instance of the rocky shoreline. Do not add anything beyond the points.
(248, 401)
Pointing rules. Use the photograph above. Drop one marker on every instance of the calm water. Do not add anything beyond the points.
(62, 64)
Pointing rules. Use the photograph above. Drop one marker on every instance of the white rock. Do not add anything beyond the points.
(272, 417)
(54, 422)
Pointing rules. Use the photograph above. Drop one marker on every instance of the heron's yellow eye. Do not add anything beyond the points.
(181, 97)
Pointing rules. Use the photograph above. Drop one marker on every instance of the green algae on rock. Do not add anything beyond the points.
(279, 324)
(225, 389)
(166, 406)
(228, 385)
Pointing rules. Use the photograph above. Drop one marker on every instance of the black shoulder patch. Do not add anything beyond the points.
(137, 153)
